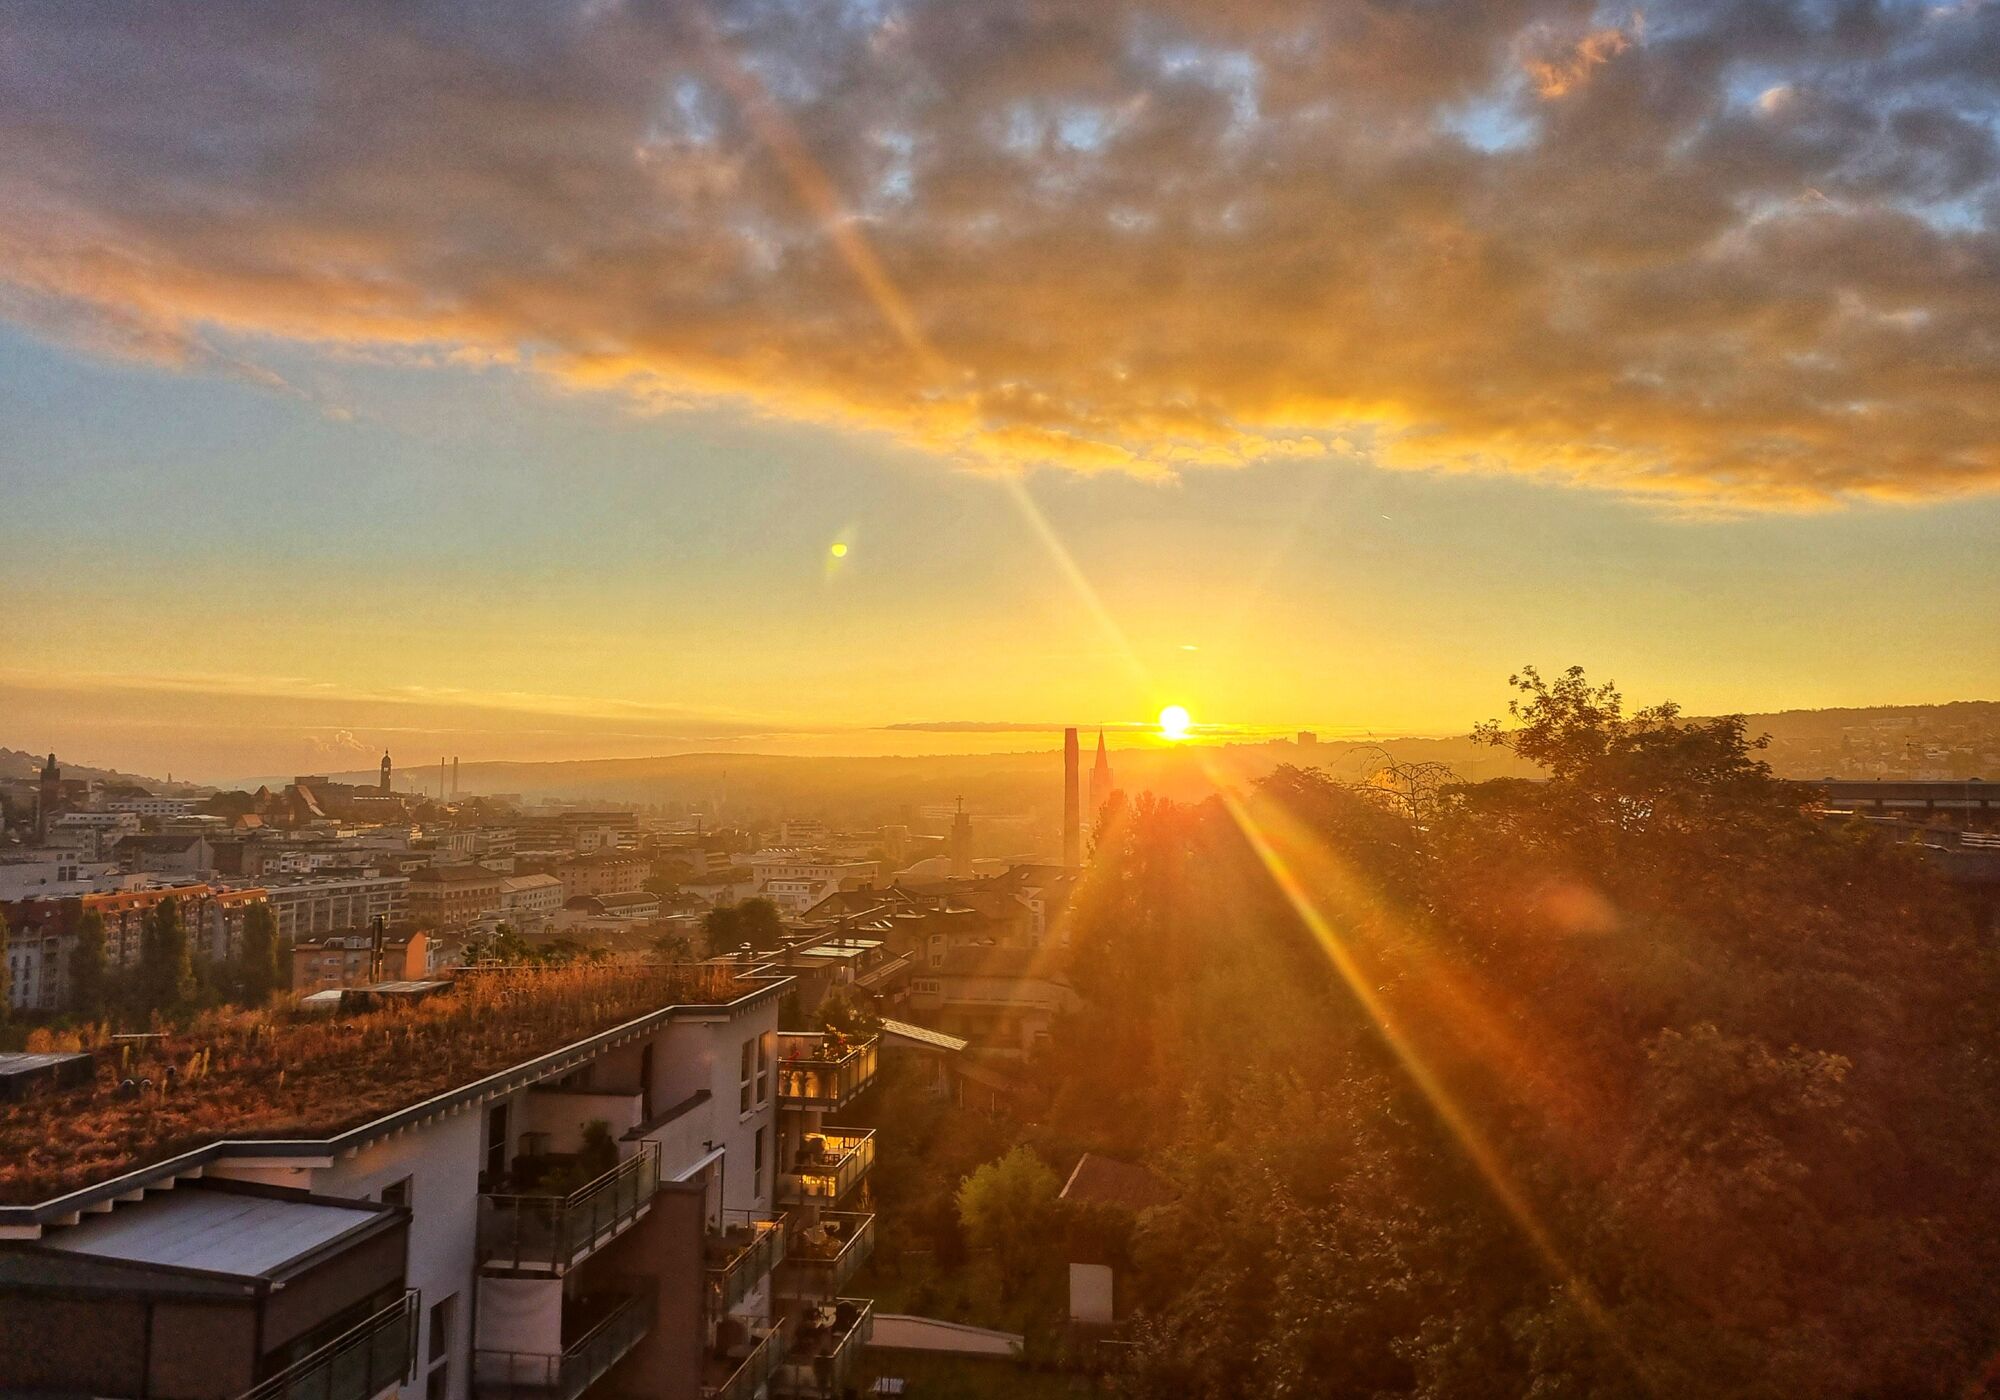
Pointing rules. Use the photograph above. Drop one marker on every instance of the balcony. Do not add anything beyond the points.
(739, 1257)
(738, 1374)
(821, 1070)
(607, 1327)
(363, 1362)
(828, 1165)
(822, 1257)
(825, 1351)
(534, 1230)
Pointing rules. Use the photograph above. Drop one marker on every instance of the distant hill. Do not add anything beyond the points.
(1937, 741)
(15, 765)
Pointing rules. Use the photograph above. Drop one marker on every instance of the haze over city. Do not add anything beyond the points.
(1000, 699)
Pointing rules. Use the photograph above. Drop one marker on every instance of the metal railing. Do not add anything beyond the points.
(851, 1153)
(362, 1362)
(821, 1361)
(529, 1375)
(756, 1368)
(815, 1270)
(740, 1256)
(527, 1231)
(811, 1075)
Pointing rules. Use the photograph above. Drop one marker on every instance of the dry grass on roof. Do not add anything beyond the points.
(283, 1073)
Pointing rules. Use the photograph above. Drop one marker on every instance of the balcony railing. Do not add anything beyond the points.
(530, 1231)
(529, 1375)
(814, 1073)
(829, 1169)
(825, 1350)
(755, 1368)
(740, 1256)
(359, 1364)
(819, 1260)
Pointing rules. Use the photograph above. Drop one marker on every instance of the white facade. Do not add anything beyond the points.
(153, 806)
(435, 1166)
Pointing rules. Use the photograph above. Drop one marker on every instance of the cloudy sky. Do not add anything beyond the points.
(500, 377)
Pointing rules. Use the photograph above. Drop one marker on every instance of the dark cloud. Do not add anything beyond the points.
(1743, 253)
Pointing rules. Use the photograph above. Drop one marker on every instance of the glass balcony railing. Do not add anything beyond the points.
(528, 1375)
(825, 1349)
(359, 1364)
(821, 1257)
(828, 1165)
(539, 1231)
(741, 1379)
(740, 1256)
(816, 1070)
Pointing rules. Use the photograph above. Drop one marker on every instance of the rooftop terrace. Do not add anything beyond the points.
(286, 1075)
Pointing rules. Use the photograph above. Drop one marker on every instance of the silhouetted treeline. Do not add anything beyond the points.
(1642, 1080)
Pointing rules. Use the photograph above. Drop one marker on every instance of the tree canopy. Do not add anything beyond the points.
(1643, 1078)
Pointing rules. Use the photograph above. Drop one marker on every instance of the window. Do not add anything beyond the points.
(744, 1075)
(440, 1342)
(757, 1168)
(763, 1069)
(397, 1193)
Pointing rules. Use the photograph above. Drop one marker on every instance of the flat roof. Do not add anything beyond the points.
(215, 1232)
(923, 1035)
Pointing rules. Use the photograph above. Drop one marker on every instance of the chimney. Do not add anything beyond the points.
(1072, 802)
(454, 777)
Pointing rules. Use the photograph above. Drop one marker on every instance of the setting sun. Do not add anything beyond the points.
(1174, 722)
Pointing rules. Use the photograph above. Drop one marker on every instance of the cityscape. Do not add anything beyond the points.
(1000, 700)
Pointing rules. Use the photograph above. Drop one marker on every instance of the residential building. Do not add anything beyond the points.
(314, 905)
(92, 835)
(42, 932)
(602, 1217)
(353, 960)
(452, 897)
(602, 872)
(166, 853)
(528, 902)
(151, 806)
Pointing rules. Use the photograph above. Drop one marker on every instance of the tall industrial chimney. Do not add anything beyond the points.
(454, 777)
(1072, 802)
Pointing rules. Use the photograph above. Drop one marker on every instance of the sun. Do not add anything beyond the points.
(1175, 723)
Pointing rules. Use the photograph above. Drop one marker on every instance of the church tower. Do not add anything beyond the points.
(1100, 778)
(385, 772)
(49, 793)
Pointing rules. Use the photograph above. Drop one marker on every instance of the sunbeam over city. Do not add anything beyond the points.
(999, 699)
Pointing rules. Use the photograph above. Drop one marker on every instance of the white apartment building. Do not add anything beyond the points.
(322, 904)
(92, 834)
(153, 806)
(423, 1254)
(529, 901)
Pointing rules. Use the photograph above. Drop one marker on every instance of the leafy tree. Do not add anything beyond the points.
(1009, 1207)
(261, 973)
(1644, 1078)
(840, 1012)
(166, 961)
(89, 980)
(754, 921)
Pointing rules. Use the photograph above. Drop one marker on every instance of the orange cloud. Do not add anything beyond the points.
(1153, 238)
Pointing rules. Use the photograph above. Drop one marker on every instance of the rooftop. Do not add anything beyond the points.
(290, 1076)
(218, 1232)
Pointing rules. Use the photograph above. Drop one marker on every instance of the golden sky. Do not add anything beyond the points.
(528, 360)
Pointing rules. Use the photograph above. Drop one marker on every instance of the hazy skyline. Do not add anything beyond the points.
(497, 381)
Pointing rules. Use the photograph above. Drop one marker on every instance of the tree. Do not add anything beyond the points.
(754, 921)
(88, 978)
(261, 973)
(166, 962)
(1009, 1207)
(6, 970)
